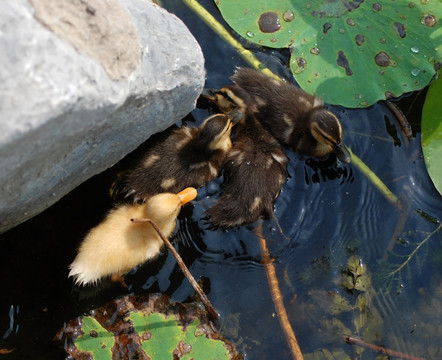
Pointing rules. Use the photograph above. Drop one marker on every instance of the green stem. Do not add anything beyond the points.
(248, 56)
(392, 198)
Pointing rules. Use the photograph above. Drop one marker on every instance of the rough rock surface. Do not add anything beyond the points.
(83, 83)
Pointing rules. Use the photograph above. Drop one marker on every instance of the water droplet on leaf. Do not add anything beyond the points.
(359, 38)
(415, 72)
(351, 22)
(250, 34)
(301, 65)
(288, 15)
(382, 59)
(269, 22)
(414, 49)
(429, 20)
(377, 7)
(314, 50)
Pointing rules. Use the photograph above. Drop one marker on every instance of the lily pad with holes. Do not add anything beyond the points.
(432, 133)
(349, 52)
(149, 327)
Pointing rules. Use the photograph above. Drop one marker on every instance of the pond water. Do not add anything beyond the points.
(327, 213)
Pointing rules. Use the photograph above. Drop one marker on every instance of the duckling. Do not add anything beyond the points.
(188, 157)
(118, 244)
(254, 171)
(292, 116)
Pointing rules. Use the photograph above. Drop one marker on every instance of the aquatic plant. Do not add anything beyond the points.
(432, 133)
(351, 53)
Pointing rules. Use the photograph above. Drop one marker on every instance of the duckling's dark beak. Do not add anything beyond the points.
(236, 116)
(342, 153)
(209, 94)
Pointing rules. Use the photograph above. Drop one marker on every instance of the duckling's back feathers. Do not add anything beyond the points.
(187, 157)
(254, 172)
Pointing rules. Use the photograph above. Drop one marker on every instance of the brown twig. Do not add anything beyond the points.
(277, 297)
(205, 300)
(379, 349)
(401, 119)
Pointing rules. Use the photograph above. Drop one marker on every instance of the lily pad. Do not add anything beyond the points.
(349, 52)
(432, 133)
(145, 328)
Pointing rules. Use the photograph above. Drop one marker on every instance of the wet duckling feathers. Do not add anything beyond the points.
(188, 157)
(292, 116)
(254, 172)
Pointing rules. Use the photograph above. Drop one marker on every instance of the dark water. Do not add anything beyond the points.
(327, 213)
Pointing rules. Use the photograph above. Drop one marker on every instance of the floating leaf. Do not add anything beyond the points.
(355, 266)
(363, 301)
(351, 53)
(330, 301)
(145, 327)
(432, 133)
(95, 339)
(363, 283)
(334, 328)
(325, 354)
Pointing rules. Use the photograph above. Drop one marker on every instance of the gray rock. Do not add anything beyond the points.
(82, 84)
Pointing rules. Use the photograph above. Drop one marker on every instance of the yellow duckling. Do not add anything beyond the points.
(187, 157)
(117, 244)
(254, 171)
(292, 116)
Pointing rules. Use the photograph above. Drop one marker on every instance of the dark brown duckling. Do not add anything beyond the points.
(187, 157)
(254, 171)
(292, 116)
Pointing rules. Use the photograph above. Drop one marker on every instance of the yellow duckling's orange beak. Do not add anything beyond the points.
(186, 195)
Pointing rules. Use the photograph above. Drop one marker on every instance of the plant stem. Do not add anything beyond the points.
(277, 296)
(409, 257)
(247, 55)
(205, 300)
(379, 349)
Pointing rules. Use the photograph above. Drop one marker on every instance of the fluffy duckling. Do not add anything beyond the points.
(254, 171)
(188, 157)
(292, 116)
(118, 244)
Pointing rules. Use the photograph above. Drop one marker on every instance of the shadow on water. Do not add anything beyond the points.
(327, 211)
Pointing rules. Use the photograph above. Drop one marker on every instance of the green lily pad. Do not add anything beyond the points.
(432, 133)
(149, 327)
(95, 339)
(351, 53)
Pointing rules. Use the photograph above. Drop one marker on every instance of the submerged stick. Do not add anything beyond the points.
(277, 297)
(379, 349)
(205, 300)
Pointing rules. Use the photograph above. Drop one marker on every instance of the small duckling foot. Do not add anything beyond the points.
(120, 279)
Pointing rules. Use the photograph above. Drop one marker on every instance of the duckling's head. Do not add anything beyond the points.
(326, 129)
(215, 133)
(231, 100)
(165, 207)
